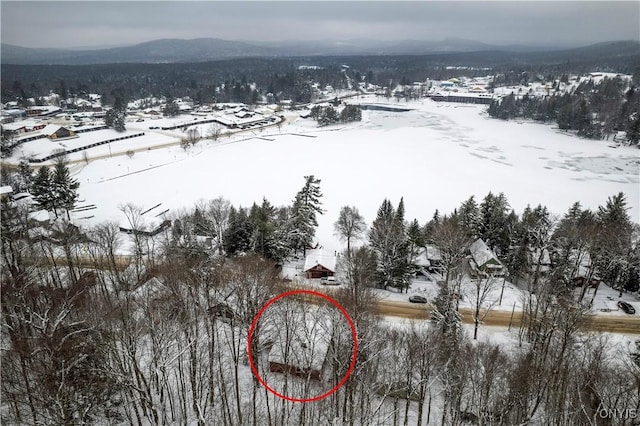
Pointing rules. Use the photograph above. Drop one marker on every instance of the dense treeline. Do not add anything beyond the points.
(236, 80)
(593, 110)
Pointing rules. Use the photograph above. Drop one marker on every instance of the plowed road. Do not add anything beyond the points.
(629, 324)
(609, 323)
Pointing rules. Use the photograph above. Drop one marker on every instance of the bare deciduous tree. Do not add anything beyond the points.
(483, 300)
(349, 226)
(214, 131)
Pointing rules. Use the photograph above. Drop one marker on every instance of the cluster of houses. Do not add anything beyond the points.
(462, 90)
(20, 125)
(237, 117)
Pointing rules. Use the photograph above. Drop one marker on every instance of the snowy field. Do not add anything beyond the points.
(434, 156)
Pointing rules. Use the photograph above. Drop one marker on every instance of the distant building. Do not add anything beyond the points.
(584, 274)
(55, 132)
(42, 111)
(540, 261)
(463, 97)
(23, 126)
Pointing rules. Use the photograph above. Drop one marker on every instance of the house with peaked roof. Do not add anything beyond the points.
(584, 272)
(43, 111)
(540, 261)
(483, 261)
(56, 132)
(301, 337)
(320, 263)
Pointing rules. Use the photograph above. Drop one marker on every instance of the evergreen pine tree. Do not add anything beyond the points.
(493, 214)
(262, 218)
(305, 206)
(65, 189)
(389, 242)
(25, 174)
(445, 315)
(328, 116)
(238, 235)
(469, 215)
(171, 109)
(42, 189)
(564, 118)
(570, 242)
(613, 252)
(633, 129)
(109, 117)
(416, 239)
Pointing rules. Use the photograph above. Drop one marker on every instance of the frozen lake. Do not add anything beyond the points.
(434, 156)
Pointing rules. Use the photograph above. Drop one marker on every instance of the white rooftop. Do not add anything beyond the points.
(39, 216)
(320, 257)
(481, 253)
(301, 335)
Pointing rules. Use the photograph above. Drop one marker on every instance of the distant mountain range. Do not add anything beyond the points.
(208, 49)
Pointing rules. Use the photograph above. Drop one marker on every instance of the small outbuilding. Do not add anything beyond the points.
(320, 263)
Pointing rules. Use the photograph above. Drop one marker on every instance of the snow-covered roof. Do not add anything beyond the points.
(482, 254)
(320, 257)
(303, 340)
(7, 189)
(149, 289)
(421, 258)
(50, 129)
(23, 200)
(12, 127)
(433, 252)
(45, 109)
(465, 94)
(585, 266)
(544, 260)
(13, 112)
(39, 216)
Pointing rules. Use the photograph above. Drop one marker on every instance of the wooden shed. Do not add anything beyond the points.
(319, 264)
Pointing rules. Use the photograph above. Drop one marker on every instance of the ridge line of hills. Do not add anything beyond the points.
(209, 49)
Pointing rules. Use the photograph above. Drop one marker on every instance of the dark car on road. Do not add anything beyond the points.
(417, 299)
(626, 307)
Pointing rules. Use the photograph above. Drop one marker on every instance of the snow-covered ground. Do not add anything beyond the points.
(41, 148)
(503, 295)
(435, 156)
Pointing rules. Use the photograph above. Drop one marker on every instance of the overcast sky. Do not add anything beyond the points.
(93, 23)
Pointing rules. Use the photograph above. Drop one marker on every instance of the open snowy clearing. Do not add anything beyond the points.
(434, 156)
